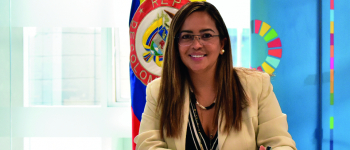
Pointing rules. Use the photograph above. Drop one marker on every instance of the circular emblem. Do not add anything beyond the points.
(274, 46)
(148, 33)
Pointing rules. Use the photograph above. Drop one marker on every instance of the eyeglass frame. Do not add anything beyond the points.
(178, 39)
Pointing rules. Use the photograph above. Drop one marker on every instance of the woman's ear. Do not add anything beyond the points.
(223, 42)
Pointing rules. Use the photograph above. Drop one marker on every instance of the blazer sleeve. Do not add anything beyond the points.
(272, 123)
(149, 137)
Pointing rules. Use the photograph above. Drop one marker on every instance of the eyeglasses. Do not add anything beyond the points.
(186, 39)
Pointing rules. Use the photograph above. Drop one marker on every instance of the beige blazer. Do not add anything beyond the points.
(263, 122)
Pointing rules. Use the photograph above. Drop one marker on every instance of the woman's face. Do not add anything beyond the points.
(200, 56)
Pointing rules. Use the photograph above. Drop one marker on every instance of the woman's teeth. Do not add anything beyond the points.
(197, 56)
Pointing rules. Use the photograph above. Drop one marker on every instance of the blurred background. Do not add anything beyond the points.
(64, 69)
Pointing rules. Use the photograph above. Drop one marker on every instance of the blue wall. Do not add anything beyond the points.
(296, 77)
(302, 81)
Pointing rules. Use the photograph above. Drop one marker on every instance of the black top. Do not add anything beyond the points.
(196, 139)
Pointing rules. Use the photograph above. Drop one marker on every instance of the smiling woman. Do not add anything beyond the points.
(202, 101)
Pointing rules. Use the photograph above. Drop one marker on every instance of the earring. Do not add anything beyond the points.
(222, 51)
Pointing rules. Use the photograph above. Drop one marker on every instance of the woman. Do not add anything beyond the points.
(202, 101)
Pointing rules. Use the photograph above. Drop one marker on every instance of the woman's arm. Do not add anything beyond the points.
(149, 137)
(273, 127)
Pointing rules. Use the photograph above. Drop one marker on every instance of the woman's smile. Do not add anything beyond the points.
(197, 57)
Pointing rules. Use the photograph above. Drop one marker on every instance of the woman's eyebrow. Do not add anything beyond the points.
(187, 31)
(201, 31)
(205, 30)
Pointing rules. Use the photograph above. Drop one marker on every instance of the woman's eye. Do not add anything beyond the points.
(206, 35)
(186, 37)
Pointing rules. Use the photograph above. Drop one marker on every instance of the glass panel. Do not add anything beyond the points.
(122, 52)
(5, 76)
(76, 143)
(233, 37)
(245, 48)
(62, 66)
(240, 45)
(51, 75)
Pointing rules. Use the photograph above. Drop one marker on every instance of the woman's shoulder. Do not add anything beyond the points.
(250, 73)
(251, 77)
(152, 89)
(255, 84)
(154, 83)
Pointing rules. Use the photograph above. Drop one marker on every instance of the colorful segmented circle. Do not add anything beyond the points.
(274, 45)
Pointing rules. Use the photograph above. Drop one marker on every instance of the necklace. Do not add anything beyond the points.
(206, 108)
(203, 107)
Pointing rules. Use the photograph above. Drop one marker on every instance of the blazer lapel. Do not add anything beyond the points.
(181, 142)
(236, 137)
(221, 135)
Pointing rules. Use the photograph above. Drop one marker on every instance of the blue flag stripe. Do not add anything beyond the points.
(135, 4)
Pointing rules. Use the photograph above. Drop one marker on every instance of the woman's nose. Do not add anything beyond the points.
(197, 42)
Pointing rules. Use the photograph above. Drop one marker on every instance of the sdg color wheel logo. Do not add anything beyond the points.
(274, 46)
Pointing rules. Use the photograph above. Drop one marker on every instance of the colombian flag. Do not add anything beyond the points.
(138, 89)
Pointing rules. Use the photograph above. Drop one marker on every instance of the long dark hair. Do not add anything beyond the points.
(231, 97)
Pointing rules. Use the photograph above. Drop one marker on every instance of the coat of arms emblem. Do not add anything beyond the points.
(148, 34)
